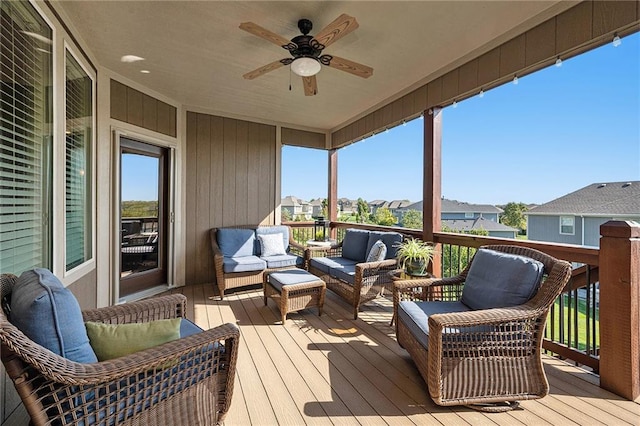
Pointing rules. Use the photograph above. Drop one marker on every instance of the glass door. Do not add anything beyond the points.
(143, 215)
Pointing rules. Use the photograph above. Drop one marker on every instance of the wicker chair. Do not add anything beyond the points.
(487, 359)
(227, 281)
(186, 381)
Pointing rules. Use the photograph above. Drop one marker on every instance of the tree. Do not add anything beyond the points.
(513, 216)
(384, 217)
(412, 219)
(362, 215)
(286, 215)
(325, 210)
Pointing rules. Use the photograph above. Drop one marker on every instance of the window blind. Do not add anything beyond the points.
(25, 138)
(79, 124)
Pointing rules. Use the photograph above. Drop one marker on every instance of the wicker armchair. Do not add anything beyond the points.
(186, 381)
(368, 282)
(229, 280)
(487, 359)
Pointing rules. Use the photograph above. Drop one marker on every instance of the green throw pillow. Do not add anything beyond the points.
(112, 341)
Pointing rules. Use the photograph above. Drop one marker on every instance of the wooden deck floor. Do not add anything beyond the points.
(334, 370)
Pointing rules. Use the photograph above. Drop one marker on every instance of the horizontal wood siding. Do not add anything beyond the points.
(547, 228)
(134, 107)
(303, 138)
(585, 26)
(230, 179)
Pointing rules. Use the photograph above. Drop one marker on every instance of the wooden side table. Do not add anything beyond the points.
(401, 277)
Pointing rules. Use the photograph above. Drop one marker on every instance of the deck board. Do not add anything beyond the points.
(331, 369)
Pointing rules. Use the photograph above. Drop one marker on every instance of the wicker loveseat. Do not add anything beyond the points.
(347, 268)
(487, 357)
(238, 258)
(185, 381)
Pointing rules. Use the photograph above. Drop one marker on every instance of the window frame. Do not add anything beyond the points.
(573, 225)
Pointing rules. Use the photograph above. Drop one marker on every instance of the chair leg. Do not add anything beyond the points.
(497, 407)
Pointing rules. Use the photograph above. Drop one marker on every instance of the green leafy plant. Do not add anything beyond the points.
(414, 255)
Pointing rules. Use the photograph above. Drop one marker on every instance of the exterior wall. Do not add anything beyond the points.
(547, 228)
(502, 234)
(230, 180)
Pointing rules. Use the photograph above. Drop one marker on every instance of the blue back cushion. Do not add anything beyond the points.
(390, 239)
(49, 314)
(263, 230)
(499, 280)
(354, 244)
(236, 242)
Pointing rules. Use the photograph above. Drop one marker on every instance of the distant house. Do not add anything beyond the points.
(575, 218)
(296, 206)
(495, 229)
(347, 206)
(376, 204)
(316, 207)
(464, 217)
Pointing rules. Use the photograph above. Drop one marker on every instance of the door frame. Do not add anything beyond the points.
(116, 219)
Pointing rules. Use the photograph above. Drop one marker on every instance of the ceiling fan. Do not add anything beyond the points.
(306, 51)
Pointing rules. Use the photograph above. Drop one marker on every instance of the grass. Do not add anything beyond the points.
(583, 324)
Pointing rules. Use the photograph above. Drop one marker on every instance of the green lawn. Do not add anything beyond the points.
(582, 324)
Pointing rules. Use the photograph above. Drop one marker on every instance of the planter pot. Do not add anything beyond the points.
(417, 268)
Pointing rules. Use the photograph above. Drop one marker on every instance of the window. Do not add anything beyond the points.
(25, 138)
(567, 225)
(78, 136)
(468, 215)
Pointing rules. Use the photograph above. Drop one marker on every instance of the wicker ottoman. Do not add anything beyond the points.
(293, 290)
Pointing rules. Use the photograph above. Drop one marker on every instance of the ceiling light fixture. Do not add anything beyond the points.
(145, 71)
(616, 40)
(558, 62)
(305, 67)
(130, 59)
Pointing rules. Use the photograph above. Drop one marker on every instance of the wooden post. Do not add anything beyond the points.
(332, 196)
(432, 183)
(619, 308)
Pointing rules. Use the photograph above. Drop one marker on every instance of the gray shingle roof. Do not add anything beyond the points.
(478, 223)
(606, 199)
(453, 206)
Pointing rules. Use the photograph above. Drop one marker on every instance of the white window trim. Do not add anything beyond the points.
(469, 215)
(59, 167)
(573, 219)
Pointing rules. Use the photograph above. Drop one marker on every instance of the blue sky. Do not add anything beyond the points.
(139, 178)
(556, 131)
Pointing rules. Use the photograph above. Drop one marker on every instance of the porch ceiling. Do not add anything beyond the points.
(197, 54)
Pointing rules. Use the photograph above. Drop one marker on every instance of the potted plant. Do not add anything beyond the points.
(414, 256)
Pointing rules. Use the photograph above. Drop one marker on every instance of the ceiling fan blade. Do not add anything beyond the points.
(339, 28)
(351, 67)
(263, 70)
(264, 33)
(310, 85)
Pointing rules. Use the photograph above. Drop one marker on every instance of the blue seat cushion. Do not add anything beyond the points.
(346, 273)
(390, 239)
(499, 280)
(415, 315)
(354, 244)
(325, 264)
(236, 242)
(49, 314)
(283, 261)
(289, 277)
(243, 264)
(268, 230)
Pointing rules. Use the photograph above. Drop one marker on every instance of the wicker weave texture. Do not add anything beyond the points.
(484, 356)
(295, 297)
(227, 281)
(370, 279)
(186, 381)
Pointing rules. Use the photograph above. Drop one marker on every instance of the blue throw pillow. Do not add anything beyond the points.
(499, 280)
(236, 242)
(354, 244)
(49, 314)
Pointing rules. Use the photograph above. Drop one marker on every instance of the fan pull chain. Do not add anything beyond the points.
(289, 78)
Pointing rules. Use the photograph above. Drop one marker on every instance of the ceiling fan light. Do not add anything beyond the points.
(305, 67)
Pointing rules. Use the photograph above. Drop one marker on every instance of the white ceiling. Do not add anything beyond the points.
(196, 54)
